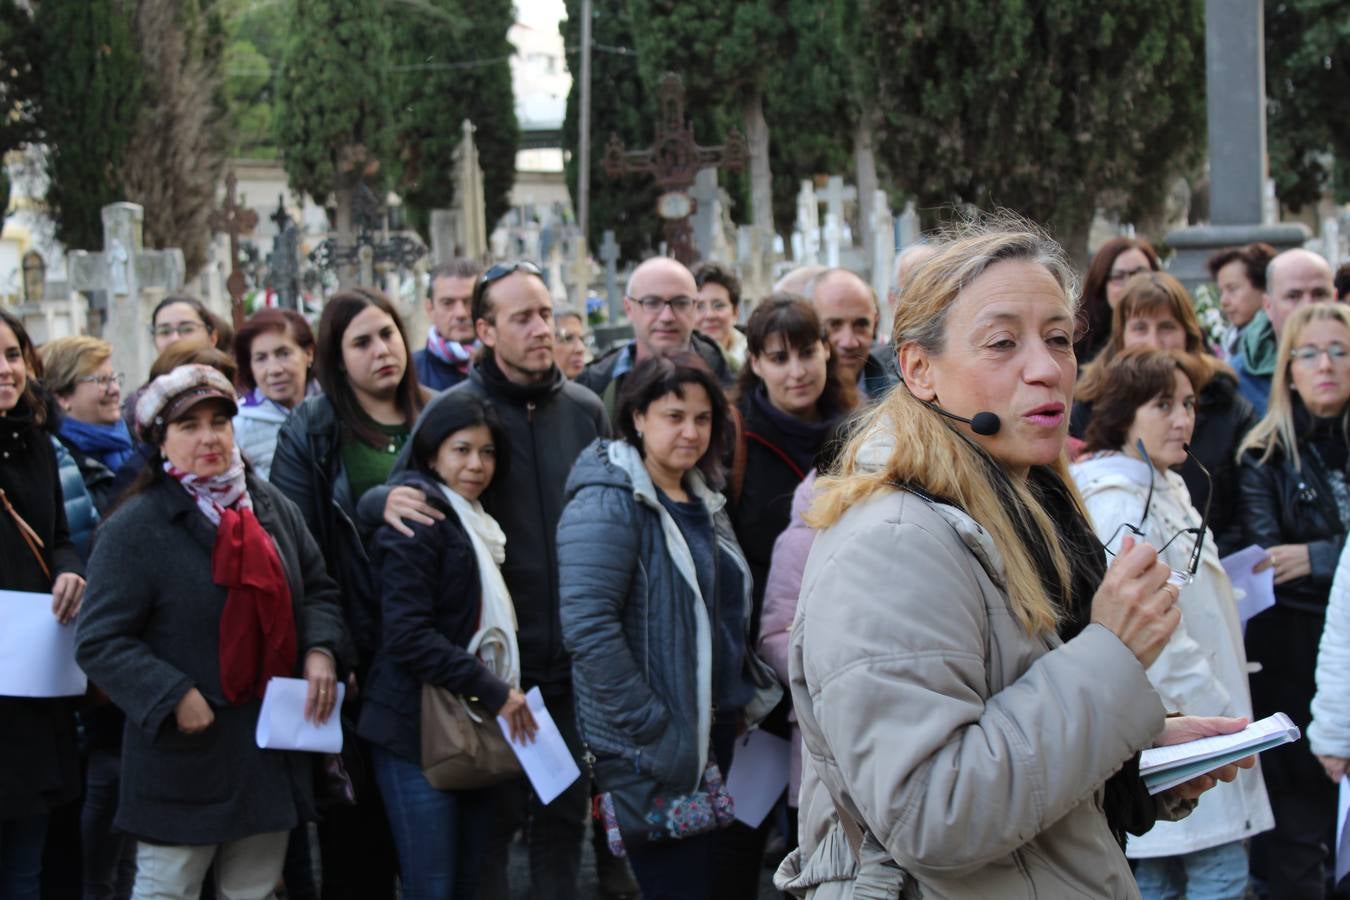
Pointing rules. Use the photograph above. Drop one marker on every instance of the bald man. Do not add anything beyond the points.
(1293, 278)
(660, 302)
(849, 314)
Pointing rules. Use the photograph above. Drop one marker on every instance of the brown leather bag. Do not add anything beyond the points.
(462, 744)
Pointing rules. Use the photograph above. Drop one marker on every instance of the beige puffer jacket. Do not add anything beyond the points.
(973, 753)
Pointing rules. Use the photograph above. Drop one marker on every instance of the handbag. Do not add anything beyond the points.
(462, 745)
(644, 813)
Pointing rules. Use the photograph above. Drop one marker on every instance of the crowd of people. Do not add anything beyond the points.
(968, 570)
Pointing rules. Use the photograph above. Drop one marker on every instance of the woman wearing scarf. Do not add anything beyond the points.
(446, 620)
(207, 585)
(78, 372)
(790, 402)
(275, 352)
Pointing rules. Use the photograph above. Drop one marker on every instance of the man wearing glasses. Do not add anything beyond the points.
(1293, 278)
(661, 303)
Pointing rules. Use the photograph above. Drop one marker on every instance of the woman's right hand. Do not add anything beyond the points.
(516, 712)
(193, 713)
(407, 504)
(1135, 602)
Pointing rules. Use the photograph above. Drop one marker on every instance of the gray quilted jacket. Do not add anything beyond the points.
(635, 622)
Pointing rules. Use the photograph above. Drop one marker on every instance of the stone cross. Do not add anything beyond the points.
(132, 279)
(909, 225)
(707, 212)
(553, 271)
(471, 234)
(754, 254)
(674, 160)
(835, 196)
(234, 220)
(882, 229)
(283, 263)
(808, 224)
(834, 233)
(609, 255)
(442, 228)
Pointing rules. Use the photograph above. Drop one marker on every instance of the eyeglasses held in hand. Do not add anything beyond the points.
(105, 382)
(1193, 566)
(654, 304)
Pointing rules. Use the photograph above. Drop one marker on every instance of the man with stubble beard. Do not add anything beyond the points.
(549, 421)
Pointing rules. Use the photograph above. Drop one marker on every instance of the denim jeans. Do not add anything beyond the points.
(439, 835)
(109, 855)
(555, 831)
(1216, 873)
(21, 843)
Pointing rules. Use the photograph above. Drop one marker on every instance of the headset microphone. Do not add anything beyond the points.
(985, 424)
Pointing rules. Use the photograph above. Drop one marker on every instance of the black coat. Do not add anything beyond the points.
(39, 766)
(150, 631)
(1283, 506)
(1222, 419)
(430, 602)
(307, 468)
(548, 425)
(763, 507)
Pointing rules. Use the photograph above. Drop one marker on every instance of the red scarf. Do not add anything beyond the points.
(257, 628)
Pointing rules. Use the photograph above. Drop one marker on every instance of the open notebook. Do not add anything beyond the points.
(1167, 767)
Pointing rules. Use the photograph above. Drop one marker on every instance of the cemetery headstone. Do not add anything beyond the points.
(808, 226)
(234, 220)
(609, 255)
(131, 279)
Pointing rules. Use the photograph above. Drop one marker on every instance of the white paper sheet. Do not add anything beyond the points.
(282, 724)
(759, 773)
(547, 762)
(1342, 850)
(37, 653)
(1254, 593)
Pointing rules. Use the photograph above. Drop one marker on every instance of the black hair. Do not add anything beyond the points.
(662, 376)
(793, 317)
(715, 273)
(338, 314)
(452, 412)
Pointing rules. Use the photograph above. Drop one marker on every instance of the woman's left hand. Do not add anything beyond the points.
(67, 594)
(1180, 729)
(322, 677)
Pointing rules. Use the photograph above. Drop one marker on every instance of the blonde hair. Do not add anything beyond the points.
(68, 359)
(1147, 295)
(928, 453)
(1276, 430)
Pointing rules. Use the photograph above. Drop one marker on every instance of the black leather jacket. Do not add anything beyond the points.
(1282, 505)
(308, 469)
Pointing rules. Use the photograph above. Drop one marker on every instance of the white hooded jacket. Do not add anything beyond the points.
(1203, 669)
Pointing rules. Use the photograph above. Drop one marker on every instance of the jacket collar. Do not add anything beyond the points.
(497, 386)
(625, 457)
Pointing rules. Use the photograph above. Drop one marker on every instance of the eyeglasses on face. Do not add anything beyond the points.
(1178, 578)
(182, 329)
(717, 306)
(1311, 354)
(1120, 276)
(105, 382)
(566, 336)
(653, 303)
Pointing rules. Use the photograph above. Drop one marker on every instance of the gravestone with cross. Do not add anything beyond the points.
(283, 263)
(578, 275)
(609, 255)
(130, 280)
(882, 230)
(234, 220)
(674, 159)
(471, 234)
(806, 242)
(375, 247)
